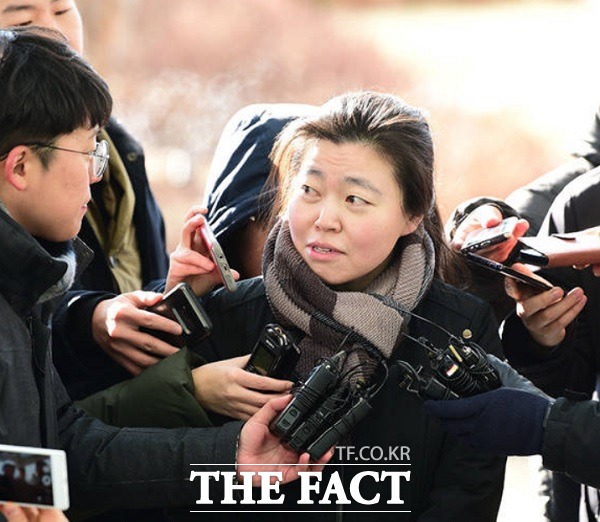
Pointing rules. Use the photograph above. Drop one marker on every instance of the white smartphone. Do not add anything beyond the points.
(218, 257)
(34, 477)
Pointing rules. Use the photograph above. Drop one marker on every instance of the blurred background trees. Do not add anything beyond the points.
(509, 85)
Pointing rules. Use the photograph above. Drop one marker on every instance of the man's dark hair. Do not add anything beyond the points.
(47, 89)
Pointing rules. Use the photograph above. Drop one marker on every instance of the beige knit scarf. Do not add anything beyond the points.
(357, 321)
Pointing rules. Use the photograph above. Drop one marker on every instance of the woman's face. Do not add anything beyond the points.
(345, 213)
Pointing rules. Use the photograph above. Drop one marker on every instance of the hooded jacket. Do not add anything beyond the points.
(241, 166)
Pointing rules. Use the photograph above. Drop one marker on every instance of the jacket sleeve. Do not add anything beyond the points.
(162, 396)
(553, 370)
(533, 200)
(468, 484)
(571, 440)
(83, 365)
(137, 467)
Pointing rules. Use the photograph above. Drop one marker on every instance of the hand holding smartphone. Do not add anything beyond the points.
(34, 477)
(487, 237)
(181, 305)
(218, 257)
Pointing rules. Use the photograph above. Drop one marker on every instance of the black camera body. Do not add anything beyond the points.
(274, 354)
(181, 305)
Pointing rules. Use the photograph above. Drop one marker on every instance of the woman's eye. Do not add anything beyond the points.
(307, 190)
(356, 200)
(62, 12)
(23, 24)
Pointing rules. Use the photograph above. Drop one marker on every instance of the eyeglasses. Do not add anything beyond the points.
(99, 155)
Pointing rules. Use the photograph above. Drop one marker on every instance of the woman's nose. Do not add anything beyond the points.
(328, 218)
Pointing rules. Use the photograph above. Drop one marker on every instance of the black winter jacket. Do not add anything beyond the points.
(107, 467)
(448, 481)
(84, 367)
(240, 168)
(571, 440)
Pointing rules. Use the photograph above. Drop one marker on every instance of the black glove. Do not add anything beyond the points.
(505, 421)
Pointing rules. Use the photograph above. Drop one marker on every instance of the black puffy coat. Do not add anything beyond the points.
(448, 481)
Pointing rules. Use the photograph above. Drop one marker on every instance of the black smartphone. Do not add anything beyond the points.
(218, 257)
(34, 477)
(486, 237)
(181, 305)
(507, 271)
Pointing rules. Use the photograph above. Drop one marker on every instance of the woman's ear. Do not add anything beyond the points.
(15, 167)
(413, 224)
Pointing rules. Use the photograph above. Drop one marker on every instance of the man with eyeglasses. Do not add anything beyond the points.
(99, 156)
(97, 341)
(50, 156)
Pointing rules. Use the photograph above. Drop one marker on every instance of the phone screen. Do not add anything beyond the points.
(218, 257)
(31, 478)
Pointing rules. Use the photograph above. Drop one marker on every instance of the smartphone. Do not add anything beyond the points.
(486, 237)
(34, 477)
(181, 305)
(507, 271)
(218, 257)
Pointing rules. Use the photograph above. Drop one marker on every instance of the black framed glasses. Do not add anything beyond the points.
(99, 155)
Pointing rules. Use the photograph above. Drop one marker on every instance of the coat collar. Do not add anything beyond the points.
(28, 268)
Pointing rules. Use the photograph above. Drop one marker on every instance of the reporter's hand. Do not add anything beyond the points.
(545, 315)
(588, 234)
(257, 445)
(14, 513)
(226, 388)
(505, 421)
(487, 216)
(116, 326)
(190, 262)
